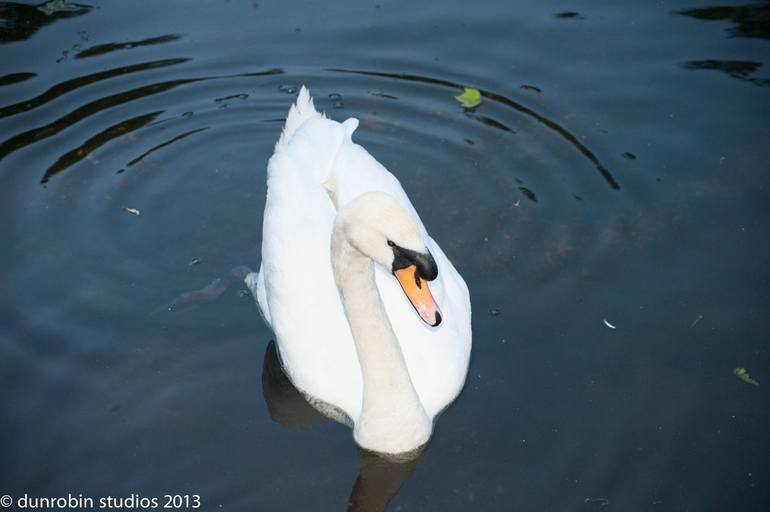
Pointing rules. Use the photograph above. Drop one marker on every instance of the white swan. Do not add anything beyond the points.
(341, 246)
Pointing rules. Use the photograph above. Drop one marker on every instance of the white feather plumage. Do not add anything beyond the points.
(315, 159)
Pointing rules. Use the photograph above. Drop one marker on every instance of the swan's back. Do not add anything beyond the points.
(316, 160)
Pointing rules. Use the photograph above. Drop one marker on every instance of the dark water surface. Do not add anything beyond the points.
(617, 169)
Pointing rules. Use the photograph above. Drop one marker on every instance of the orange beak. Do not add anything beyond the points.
(418, 293)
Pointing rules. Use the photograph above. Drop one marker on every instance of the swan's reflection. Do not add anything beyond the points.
(378, 480)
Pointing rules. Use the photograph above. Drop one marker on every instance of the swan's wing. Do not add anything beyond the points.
(304, 307)
(437, 358)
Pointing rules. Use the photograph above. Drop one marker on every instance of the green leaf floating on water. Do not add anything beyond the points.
(469, 98)
(742, 374)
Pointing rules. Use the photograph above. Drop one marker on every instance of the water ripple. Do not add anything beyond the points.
(97, 141)
(14, 78)
(563, 132)
(81, 81)
(32, 136)
(102, 49)
(164, 144)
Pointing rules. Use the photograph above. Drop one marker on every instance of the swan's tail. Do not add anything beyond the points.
(302, 110)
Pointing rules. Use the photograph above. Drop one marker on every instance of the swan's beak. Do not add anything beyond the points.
(418, 293)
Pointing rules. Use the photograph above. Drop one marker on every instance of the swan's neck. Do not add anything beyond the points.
(392, 418)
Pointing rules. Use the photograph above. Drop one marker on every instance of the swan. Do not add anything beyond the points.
(371, 319)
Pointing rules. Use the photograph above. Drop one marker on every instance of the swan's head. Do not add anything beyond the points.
(380, 228)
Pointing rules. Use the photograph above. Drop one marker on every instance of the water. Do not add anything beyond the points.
(617, 169)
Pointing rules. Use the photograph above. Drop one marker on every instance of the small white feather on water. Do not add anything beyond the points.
(608, 324)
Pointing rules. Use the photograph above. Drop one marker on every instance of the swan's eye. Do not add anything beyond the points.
(390, 243)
